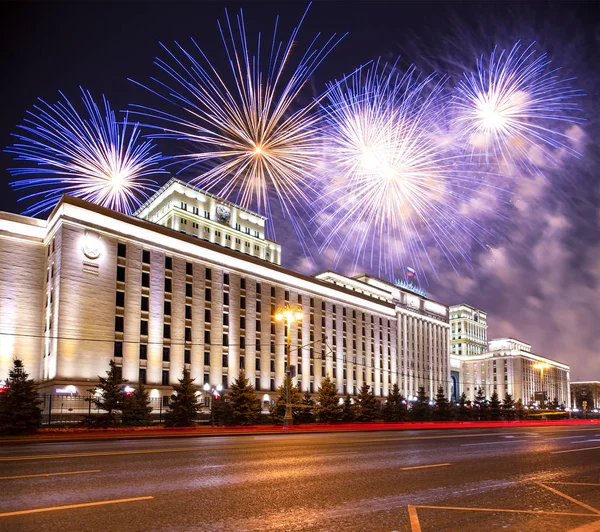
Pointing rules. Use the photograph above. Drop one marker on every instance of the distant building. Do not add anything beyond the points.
(468, 330)
(588, 391)
(509, 367)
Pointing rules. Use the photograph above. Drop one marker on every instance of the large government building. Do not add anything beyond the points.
(191, 281)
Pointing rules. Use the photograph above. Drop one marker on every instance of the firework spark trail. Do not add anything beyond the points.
(513, 103)
(96, 157)
(394, 185)
(256, 144)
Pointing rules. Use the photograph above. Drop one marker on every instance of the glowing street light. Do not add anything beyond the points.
(290, 315)
(542, 366)
(213, 393)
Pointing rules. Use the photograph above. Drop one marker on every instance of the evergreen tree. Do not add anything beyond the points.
(277, 411)
(184, 406)
(394, 408)
(520, 411)
(508, 410)
(348, 413)
(109, 396)
(328, 406)
(241, 403)
(421, 411)
(366, 404)
(480, 405)
(462, 411)
(137, 409)
(553, 405)
(494, 413)
(20, 410)
(306, 414)
(443, 410)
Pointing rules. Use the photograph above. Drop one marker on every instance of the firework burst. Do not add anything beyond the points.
(94, 157)
(394, 187)
(249, 140)
(514, 105)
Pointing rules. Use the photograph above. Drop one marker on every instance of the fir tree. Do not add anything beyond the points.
(480, 405)
(277, 411)
(494, 413)
(463, 412)
(443, 411)
(137, 409)
(348, 412)
(20, 410)
(508, 408)
(366, 404)
(421, 411)
(306, 414)
(520, 411)
(328, 406)
(109, 396)
(184, 406)
(241, 403)
(394, 408)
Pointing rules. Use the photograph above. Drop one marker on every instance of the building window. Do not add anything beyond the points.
(287, 295)
(258, 305)
(119, 324)
(225, 278)
(168, 263)
(165, 377)
(257, 347)
(118, 349)
(168, 284)
(207, 294)
(146, 256)
(257, 325)
(121, 274)
(225, 361)
(188, 312)
(257, 364)
(144, 327)
(167, 308)
(166, 354)
(188, 334)
(206, 358)
(272, 366)
(146, 279)
(189, 268)
(242, 302)
(121, 250)
(242, 322)
(142, 376)
(225, 319)
(258, 288)
(208, 274)
(143, 352)
(207, 315)
(272, 291)
(188, 289)
(242, 342)
(207, 337)
(187, 356)
(225, 298)
(167, 330)
(225, 340)
(120, 299)
(145, 304)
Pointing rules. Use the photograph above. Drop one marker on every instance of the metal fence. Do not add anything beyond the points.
(66, 409)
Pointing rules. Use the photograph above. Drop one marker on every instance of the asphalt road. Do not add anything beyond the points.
(542, 479)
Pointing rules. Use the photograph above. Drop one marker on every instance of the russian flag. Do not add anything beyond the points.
(410, 272)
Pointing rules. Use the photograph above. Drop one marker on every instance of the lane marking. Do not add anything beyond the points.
(574, 483)
(415, 526)
(423, 467)
(575, 450)
(52, 474)
(71, 506)
(591, 527)
(492, 443)
(564, 495)
(497, 510)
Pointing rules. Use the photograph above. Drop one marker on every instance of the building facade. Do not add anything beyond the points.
(468, 329)
(191, 281)
(588, 391)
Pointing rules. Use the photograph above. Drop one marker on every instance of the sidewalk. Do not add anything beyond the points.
(81, 434)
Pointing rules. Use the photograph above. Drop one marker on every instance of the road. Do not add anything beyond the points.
(541, 479)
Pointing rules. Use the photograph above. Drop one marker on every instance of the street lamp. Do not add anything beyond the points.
(214, 393)
(542, 366)
(290, 315)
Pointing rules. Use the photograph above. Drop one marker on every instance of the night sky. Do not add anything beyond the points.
(539, 277)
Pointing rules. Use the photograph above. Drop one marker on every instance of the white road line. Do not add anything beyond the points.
(491, 443)
(575, 450)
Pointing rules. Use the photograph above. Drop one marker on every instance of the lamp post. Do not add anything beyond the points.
(290, 315)
(542, 366)
(214, 392)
